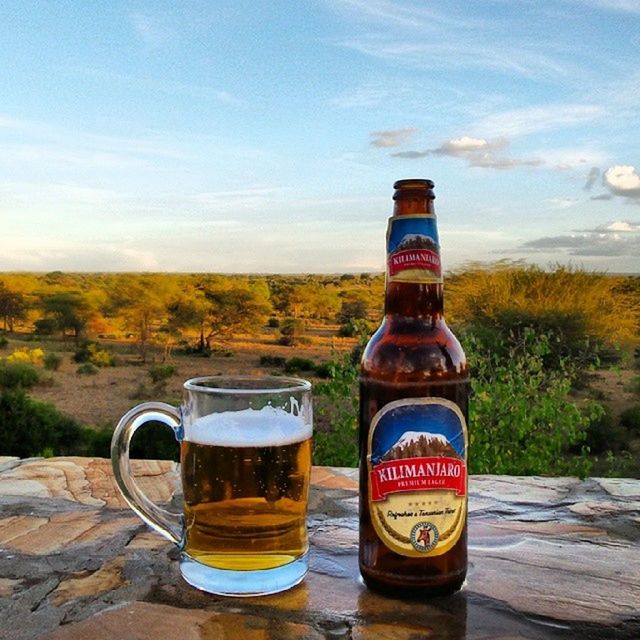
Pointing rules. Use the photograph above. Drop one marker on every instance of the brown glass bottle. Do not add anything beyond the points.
(414, 379)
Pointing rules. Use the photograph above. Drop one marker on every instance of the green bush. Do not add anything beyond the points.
(87, 369)
(91, 352)
(291, 331)
(324, 370)
(336, 405)
(630, 418)
(3, 342)
(522, 420)
(161, 372)
(45, 326)
(32, 428)
(52, 361)
(355, 327)
(18, 375)
(297, 364)
(155, 441)
(273, 323)
(272, 361)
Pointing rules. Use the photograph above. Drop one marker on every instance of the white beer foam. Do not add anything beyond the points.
(267, 427)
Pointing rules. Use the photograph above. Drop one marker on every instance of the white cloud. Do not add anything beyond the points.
(622, 180)
(477, 152)
(466, 145)
(391, 138)
(561, 203)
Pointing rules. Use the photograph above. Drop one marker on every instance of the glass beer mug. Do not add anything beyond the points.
(245, 464)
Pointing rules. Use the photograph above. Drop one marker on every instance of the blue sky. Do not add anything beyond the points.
(265, 136)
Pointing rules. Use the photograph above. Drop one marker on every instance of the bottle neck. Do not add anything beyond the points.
(420, 300)
(413, 300)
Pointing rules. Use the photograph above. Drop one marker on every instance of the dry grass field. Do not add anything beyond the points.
(101, 398)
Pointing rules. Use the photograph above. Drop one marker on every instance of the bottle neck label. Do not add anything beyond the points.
(417, 464)
(413, 249)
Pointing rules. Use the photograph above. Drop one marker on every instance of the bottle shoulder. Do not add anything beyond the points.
(413, 349)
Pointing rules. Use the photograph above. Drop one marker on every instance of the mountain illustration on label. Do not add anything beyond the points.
(420, 444)
(416, 241)
(417, 475)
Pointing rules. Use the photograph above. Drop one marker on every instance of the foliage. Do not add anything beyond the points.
(155, 441)
(45, 326)
(92, 352)
(161, 372)
(298, 364)
(630, 418)
(272, 361)
(337, 406)
(30, 428)
(357, 327)
(12, 307)
(15, 375)
(69, 309)
(273, 323)
(87, 369)
(522, 419)
(3, 342)
(291, 331)
(579, 309)
(52, 361)
(235, 310)
(32, 356)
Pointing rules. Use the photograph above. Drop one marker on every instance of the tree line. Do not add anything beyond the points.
(165, 308)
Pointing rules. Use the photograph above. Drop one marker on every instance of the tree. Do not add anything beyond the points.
(190, 311)
(69, 309)
(142, 301)
(12, 307)
(235, 310)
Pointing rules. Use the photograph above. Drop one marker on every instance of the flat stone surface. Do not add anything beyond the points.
(549, 558)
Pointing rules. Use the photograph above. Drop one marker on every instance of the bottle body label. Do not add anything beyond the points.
(413, 249)
(417, 467)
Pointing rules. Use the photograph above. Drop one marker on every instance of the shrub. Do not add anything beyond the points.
(30, 428)
(155, 441)
(297, 364)
(91, 352)
(3, 342)
(336, 404)
(357, 327)
(324, 370)
(161, 372)
(15, 375)
(45, 326)
(52, 361)
(580, 310)
(87, 369)
(273, 323)
(523, 421)
(630, 418)
(291, 330)
(272, 361)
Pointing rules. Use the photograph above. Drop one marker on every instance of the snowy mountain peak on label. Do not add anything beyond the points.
(420, 444)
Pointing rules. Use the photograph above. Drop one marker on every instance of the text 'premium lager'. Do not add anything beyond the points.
(413, 418)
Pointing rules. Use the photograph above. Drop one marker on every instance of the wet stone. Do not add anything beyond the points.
(550, 558)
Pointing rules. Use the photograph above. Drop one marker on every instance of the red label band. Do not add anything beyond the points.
(418, 474)
(414, 259)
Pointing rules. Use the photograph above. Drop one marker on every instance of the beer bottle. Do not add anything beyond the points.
(414, 383)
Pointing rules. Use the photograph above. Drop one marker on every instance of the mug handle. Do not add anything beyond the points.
(170, 525)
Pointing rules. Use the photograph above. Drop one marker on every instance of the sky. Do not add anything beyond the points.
(265, 135)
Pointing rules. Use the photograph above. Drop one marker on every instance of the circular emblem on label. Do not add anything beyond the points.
(424, 536)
